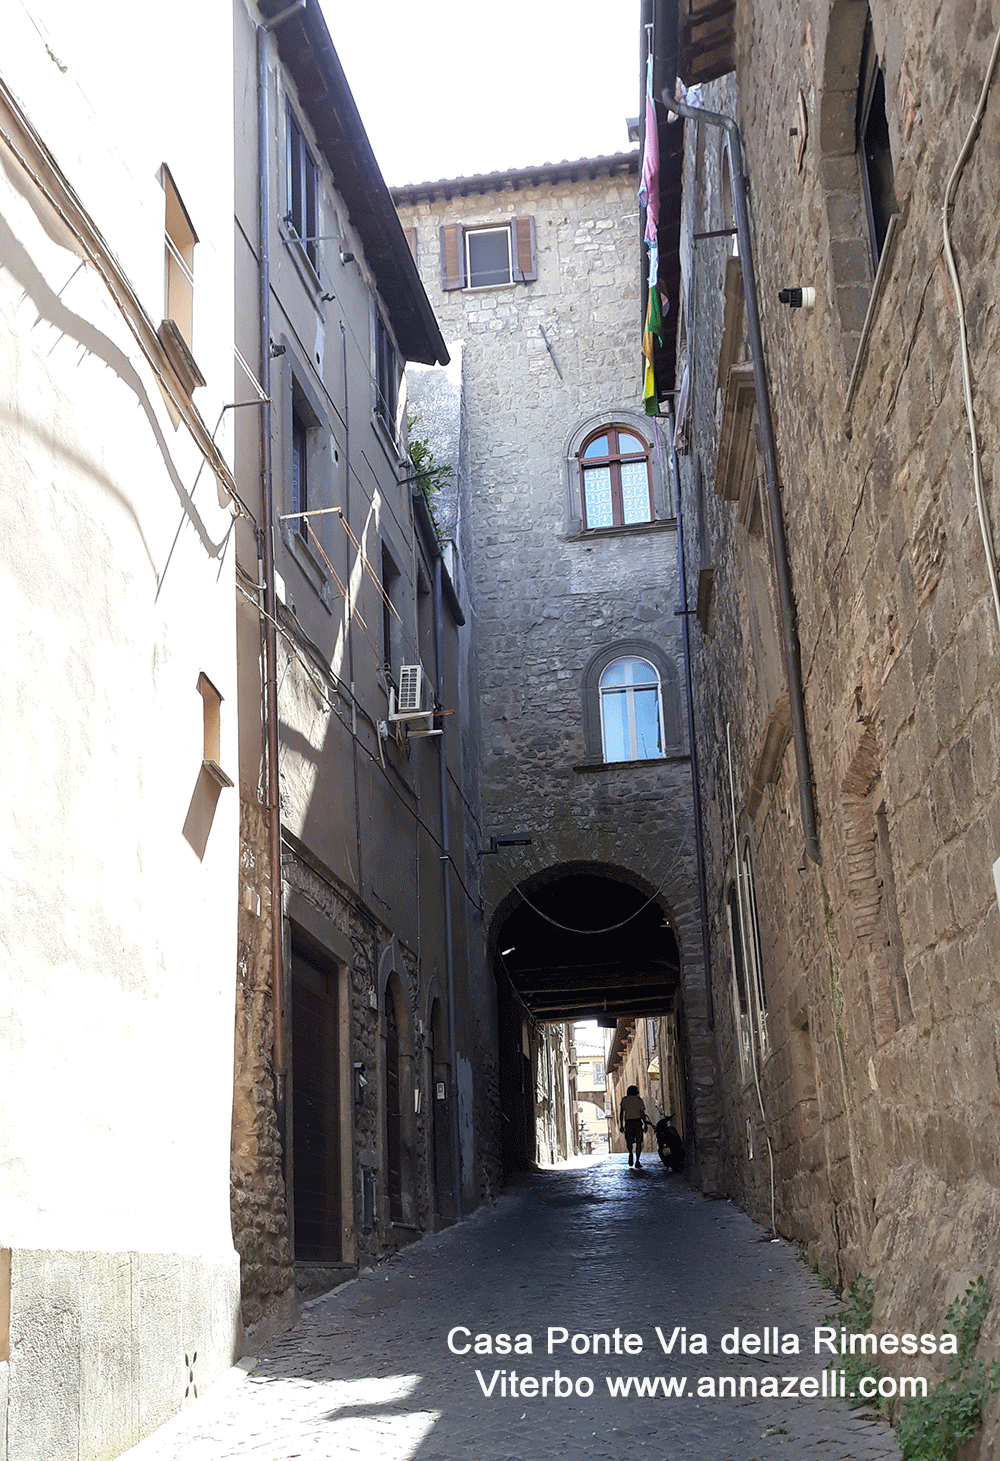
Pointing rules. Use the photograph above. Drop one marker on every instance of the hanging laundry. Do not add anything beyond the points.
(649, 197)
(653, 333)
(649, 188)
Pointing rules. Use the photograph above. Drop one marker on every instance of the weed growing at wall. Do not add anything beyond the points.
(856, 1318)
(428, 474)
(933, 1426)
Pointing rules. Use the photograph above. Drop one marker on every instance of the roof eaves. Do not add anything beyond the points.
(307, 51)
(520, 177)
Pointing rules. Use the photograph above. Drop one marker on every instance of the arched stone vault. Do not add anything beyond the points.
(578, 940)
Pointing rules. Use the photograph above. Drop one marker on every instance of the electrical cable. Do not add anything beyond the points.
(949, 198)
(564, 927)
(752, 992)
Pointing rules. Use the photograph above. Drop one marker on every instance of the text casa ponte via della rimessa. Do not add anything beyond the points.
(827, 1339)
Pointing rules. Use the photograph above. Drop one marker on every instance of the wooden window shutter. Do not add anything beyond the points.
(411, 239)
(452, 256)
(523, 254)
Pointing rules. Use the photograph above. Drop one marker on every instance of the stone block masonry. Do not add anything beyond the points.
(879, 1075)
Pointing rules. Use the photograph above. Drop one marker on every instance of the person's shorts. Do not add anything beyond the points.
(633, 1133)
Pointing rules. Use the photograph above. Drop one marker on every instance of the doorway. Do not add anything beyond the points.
(316, 1122)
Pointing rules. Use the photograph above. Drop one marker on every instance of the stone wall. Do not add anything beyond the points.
(260, 1212)
(880, 1082)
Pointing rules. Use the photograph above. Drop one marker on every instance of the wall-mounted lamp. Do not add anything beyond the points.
(360, 1083)
(803, 297)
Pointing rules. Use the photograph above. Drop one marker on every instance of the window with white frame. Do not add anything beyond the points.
(488, 255)
(631, 711)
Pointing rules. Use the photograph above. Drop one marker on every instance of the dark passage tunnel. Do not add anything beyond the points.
(576, 942)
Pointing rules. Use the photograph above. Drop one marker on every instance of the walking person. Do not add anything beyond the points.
(632, 1121)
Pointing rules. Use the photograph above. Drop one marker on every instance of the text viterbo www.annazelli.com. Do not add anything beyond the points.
(828, 1384)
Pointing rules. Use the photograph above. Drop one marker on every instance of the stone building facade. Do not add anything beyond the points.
(363, 1002)
(854, 978)
(591, 892)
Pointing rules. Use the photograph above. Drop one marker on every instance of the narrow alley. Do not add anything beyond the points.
(589, 1248)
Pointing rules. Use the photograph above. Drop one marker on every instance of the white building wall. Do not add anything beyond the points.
(119, 852)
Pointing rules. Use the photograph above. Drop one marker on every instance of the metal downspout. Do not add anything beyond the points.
(449, 952)
(349, 607)
(786, 600)
(267, 532)
(706, 946)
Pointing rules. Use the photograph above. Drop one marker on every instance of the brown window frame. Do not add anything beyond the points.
(614, 461)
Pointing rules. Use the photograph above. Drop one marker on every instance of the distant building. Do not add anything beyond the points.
(571, 537)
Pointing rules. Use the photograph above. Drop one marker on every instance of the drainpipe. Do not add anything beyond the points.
(449, 952)
(349, 607)
(786, 601)
(267, 533)
(706, 946)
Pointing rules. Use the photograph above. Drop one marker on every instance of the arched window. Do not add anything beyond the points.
(615, 479)
(631, 711)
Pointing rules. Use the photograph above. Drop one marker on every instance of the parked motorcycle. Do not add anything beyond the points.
(669, 1147)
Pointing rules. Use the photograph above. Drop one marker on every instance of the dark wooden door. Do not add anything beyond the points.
(315, 1112)
(393, 1114)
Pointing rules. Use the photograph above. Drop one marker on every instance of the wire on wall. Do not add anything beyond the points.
(949, 198)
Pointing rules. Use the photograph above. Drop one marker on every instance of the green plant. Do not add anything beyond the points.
(428, 475)
(856, 1318)
(933, 1426)
(826, 1275)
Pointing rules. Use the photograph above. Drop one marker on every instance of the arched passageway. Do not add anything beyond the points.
(575, 942)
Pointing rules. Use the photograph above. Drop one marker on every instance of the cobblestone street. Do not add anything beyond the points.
(588, 1248)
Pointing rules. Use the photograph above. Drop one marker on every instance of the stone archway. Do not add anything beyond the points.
(587, 940)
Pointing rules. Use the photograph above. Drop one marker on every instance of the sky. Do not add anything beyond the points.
(447, 88)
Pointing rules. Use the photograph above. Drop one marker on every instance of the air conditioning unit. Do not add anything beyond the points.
(407, 708)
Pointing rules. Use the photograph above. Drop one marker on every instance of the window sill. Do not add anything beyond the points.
(307, 270)
(312, 569)
(676, 758)
(627, 530)
(874, 302)
(179, 355)
(390, 445)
